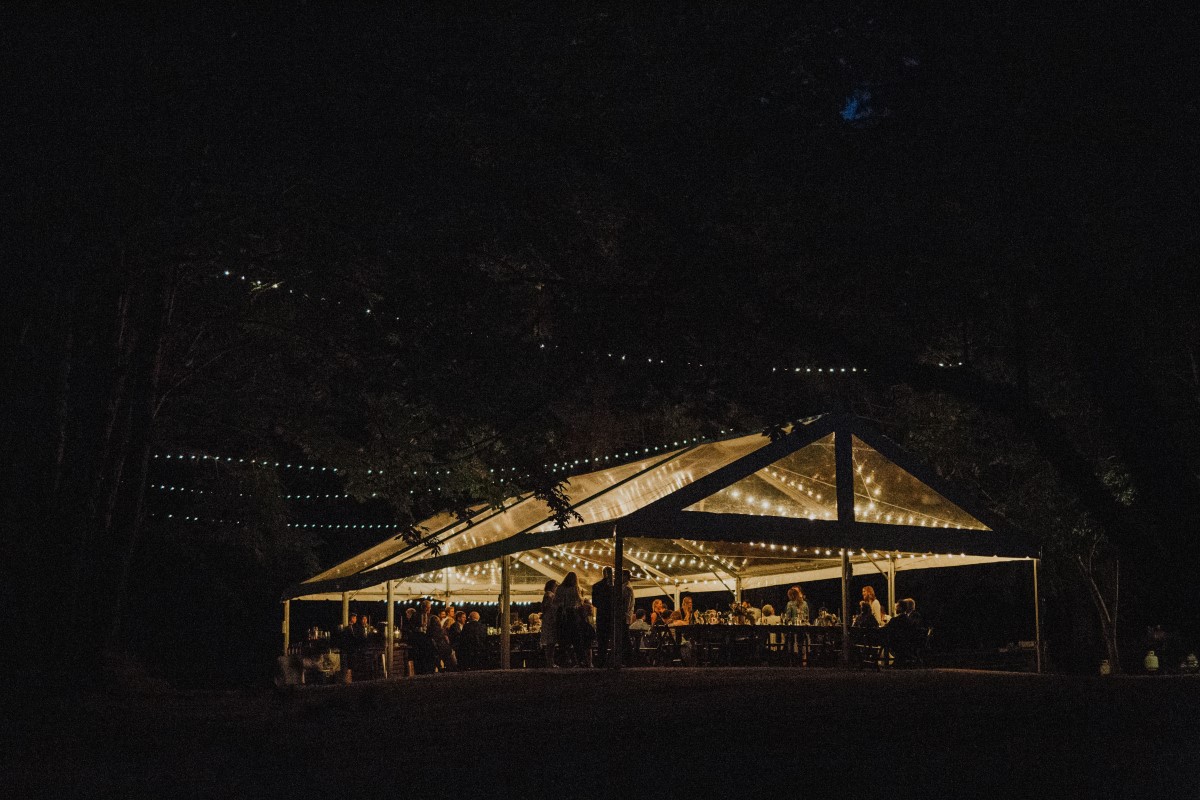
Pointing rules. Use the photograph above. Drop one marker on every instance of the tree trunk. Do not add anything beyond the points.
(144, 417)
(1106, 613)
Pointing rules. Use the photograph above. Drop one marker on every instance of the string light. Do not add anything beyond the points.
(186, 490)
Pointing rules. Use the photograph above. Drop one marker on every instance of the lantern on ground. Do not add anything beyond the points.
(1150, 662)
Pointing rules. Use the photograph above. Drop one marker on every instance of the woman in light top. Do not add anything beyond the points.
(796, 611)
(876, 611)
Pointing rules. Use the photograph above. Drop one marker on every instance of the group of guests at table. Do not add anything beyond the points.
(437, 640)
(902, 633)
(571, 626)
(444, 640)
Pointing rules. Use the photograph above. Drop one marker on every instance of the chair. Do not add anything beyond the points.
(869, 647)
(636, 640)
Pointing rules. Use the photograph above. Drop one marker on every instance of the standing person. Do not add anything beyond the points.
(796, 611)
(602, 599)
(424, 654)
(626, 610)
(869, 597)
(472, 643)
(567, 603)
(454, 631)
(549, 637)
(440, 641)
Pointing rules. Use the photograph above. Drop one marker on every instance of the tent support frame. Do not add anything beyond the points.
(505, 612)
(1037, 619)
(287, 625)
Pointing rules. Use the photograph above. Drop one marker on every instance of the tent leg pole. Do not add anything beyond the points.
(846, 607)
(345, 609)
(505, 614)
(737, 591)
(389, 635)
(891, 587)
(843, 459)
(287, 625)
(616, 651)
(1037, 619)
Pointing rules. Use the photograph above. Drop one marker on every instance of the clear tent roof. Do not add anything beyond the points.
(791, 497)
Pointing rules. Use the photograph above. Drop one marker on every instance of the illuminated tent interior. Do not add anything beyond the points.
(736, 513)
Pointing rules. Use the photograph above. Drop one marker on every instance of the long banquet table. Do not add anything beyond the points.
(729, 645)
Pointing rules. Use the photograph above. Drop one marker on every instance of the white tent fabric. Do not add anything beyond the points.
(744, 511)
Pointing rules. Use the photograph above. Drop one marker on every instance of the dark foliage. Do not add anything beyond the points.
(439, 249)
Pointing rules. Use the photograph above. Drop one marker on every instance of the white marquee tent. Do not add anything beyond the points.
(824, 498)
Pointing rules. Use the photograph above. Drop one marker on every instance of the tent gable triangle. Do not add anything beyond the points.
(801, 484)
(892, 487)
(800, 436)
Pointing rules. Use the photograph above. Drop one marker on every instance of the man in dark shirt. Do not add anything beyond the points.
(472, 643)
(903, 632)
(455, 630)
(602, 597)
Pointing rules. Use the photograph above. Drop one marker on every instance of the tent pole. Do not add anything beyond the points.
(737, 591)
(389, 634)
(287, 625)
(616, 651)
(891, 587)
(843, 459)
(846, 607)
(505, 614)
(1037, 619)
(345, 609)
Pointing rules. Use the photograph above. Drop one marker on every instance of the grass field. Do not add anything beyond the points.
(638, 733)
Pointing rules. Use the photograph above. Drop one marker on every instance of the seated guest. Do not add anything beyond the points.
(866, 616)
(904, 632)
(589, 611)
(769, 617)
(639, 623)
(586, 636)
(472, 643)
(689, 615)
(658, 612)
(675, 619)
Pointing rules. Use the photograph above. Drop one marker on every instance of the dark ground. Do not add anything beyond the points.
(639, 733)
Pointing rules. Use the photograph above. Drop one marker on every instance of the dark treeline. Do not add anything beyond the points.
(407, 238)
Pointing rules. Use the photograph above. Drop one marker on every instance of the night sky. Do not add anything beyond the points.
(433, 244)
